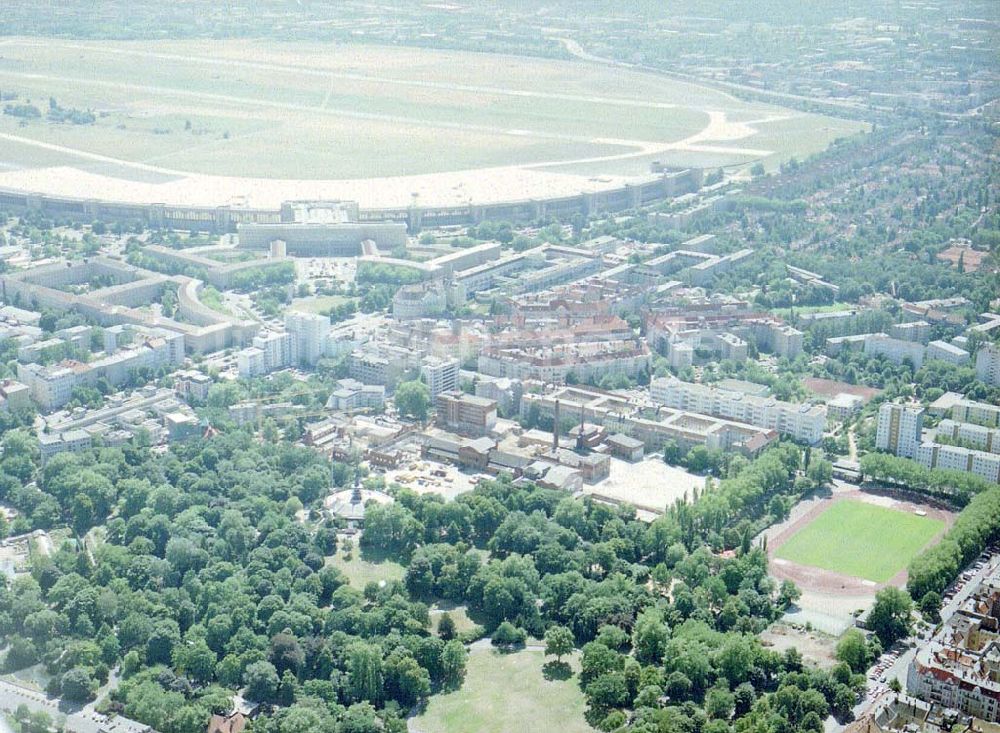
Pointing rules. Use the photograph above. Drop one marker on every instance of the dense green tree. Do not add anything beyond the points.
(649, 639)
(261, 680)
(413, 399)
(852, 649)
(78, 685)
(453, 661)
(558, 642)
(889, 617)
(446, 627)
(365, 669)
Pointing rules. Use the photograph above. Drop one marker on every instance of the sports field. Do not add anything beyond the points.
(203, 111)
(860, 539)
(507, 693)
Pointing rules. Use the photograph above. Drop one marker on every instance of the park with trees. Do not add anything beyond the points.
(204, 583)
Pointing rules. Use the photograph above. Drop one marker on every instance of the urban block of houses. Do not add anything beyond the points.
(959, 667)
(52, 386)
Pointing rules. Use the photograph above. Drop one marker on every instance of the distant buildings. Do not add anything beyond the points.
(536, 269)
(424, 300)
(158, 413)
(584, 352)
(695, 266)
(655, 426)
(721, 329)
(218, 265)
(126, 301)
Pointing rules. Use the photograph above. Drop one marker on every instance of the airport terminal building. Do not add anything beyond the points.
(321, 229)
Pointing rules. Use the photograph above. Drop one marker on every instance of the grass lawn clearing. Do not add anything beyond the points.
(861, 540)
(459, 614)
(360, 572)
(508, 693)
(317, 303)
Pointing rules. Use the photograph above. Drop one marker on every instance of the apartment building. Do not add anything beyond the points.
(280, 349)
(838, 344)
(969, 435)
(843, 406)
(654, 426)
(944, 351)
(441, 375)
(424, 300)
(801, 421)
(466, 414)
(309, 331)
(958, 458)
(351, 394)
(381, 364)
(895, 350)
(916, 331)
(833, 323)
(988, 364)
(269, 352)
(250, 363)
(191, 384)
(899, 429)
(505, 392)
(583, 360)
(979, 413)
(731, 346)
(779, 338)
(680, 356)
(69, 441)
(51, 387)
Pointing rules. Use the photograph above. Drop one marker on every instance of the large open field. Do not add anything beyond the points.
(220, 115)
(507, 693)
(861, 540)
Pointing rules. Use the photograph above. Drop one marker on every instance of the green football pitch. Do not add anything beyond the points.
(861, 540)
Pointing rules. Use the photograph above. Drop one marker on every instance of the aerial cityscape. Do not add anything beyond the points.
(500, 367)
